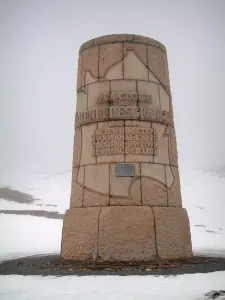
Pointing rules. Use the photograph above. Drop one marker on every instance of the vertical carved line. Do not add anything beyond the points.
(156, 246)
(167, 196)
(146, 48)
(109, 184)
(97, 246)
(123, 56)
(141, 183)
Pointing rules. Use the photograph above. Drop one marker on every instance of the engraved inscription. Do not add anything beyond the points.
(125, 170)
(121, 140)
(124, 98)
(144, 113)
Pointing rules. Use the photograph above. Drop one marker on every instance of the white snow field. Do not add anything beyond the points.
(21, 235)
(184, 287)
(203, 195)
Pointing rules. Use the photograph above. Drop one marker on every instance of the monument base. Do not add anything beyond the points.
(126, 234)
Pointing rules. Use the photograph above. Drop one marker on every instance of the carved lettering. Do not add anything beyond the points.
(114, 113)
(121, 140)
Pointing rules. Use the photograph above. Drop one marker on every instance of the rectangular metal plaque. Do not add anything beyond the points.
(125, 170)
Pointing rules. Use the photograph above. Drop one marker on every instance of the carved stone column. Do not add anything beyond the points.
(125, 199)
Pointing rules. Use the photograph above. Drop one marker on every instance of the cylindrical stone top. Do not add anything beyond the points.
(125, 199)
(124, 120)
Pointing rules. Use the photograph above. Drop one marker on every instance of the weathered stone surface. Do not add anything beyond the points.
(115, 72)
(134, 68)
(86, 153)
(156, 62)
(97, 178)
(80, 234)
(174, 193)
(172, 233)
(126, 234)
(95, 90)
(162, 156)
(90, 60)
(122, 191)
(152, 89)
(109, 54)
(92, 198)
(124, 115)
(77, 147)
(155, 171)
(139, 49)
(153, 192)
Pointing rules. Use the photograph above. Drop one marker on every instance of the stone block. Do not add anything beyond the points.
(164, 99)
(97, 178)
(162, 142)
(90, 60)
(95, 90)
(139, 49)
(86, 150)
(134, 68)
(152, 89)
(173, 237)
(122, 191)
(126, 234)
(174, 192)
(80, 234)
(109, 55)
(92, 198)
(153, 192)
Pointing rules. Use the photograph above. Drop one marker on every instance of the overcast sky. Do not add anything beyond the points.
(39, 52)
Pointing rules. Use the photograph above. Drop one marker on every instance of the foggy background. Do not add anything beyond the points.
(40, 41)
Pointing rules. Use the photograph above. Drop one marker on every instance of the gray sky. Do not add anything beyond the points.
(39, 51)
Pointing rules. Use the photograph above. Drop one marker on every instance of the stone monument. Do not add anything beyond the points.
(125, 201)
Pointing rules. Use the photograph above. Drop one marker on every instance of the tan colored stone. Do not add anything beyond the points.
(156, 61)
(124, 86)
(172, 233)
(76, 198)
(109, 54)
(173, 147)
(92, 198)
(145, 40)
(86, 154)
(169, 176)
(89, 78)
(80, 234)
(139, 49)
(151, 77)
(86, 45)
(90, 60)
(95, 90)
(80, 73)
(97, 178)
(120, 193)
(115, 72)
(126, 234)
(77, 147)
(110, 158)
(134, 68)
(162, 142)
(174, 193)
(137, 157)
(81, 101)
(152, 89)
(113, 38)
(80, 175)
(164, 99)
(155, 171)
(153, 192)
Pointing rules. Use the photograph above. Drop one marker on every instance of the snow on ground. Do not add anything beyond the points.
(110, 287)
(203, 195)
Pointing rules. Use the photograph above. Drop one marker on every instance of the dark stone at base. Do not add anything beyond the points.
(54, 265)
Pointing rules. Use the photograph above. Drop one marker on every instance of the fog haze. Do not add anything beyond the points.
(40, 41)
